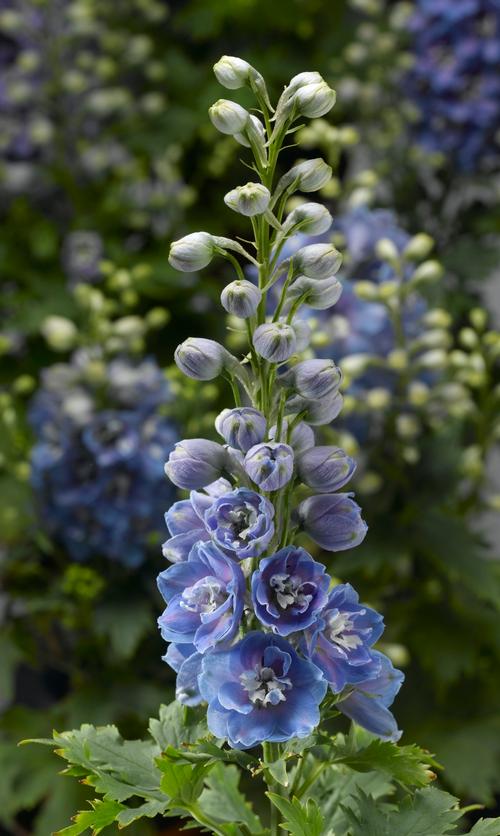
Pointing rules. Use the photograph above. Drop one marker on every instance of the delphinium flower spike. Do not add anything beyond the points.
(259, 630)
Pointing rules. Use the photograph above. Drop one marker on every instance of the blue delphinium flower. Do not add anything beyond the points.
(261, 690)
(185, 660)
(332, 520)
(368, 702)
(289, 590)
(270, 465)
(340, 641)
(205, 597)
(98, 473)
(455, 79)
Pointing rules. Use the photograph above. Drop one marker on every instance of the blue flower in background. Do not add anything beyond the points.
(260, 690)
(368, 703)
(289, 590)
(455, 79)
(97, 469)
(205, 597)
(341, 640)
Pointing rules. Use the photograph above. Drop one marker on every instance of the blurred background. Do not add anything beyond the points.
(106, 155)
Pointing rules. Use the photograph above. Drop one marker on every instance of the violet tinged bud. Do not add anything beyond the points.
(241, 298)
(275, 341)
(319, 294)
(316, 378)
(301, 439)
(308, 176)
(312, 218)
(250, 199)
(242, 427)
(317, 261)
(314, 100)
(234, 73)
(270, 465)
(325, 469)
(303, 334)
(195, 462)
(201, 359)
(228, 117)
(315, 412)
(193, 252)
(333, 521)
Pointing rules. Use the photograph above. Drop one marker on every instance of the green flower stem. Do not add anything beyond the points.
(237, 266)
(271, 752)
(197, 813)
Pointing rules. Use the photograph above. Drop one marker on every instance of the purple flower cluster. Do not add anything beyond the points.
(258, 629)
(227, 573)
(97, 469)
(455, 79)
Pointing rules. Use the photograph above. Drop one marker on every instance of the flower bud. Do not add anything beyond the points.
(332, 520)
(195, 462)
(297, 82)
(317, 261)
(308, 176)
(325, 469)
(241, 298)
(315, 412)
(312, 218)
(61, 333)
(428, 271)
(386, 250)
(418, 247)
(318, 294)
(200, 359)
(270, 465)
(302, 333)
(275, 341)
(250, 199)
(228, 117)
(233, 73)
(314, 100)
(316, 378)
(255, 130)
(193, 252)
(301, 439)
(241, 428)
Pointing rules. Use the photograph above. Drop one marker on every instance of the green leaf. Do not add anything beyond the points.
(299, 819)
(103, 814)
(430, 812)
(223, 800)
(177, 725)
(409, 765)
(182, 782)
(149, 809)
(486, 827)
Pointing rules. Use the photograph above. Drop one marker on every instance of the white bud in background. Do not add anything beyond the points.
(378, 398)
(386, 250)
(355, 365)
(418, 247)
(397, 359)
(228, 117)
(437, 318)
(437, 358)
(250, 199)
(367, 291)
(60, 333)
(468, 338)
(428, 271)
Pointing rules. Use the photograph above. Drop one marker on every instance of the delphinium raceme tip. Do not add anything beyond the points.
(258, 629)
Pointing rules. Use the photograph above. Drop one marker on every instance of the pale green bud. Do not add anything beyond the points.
(128, 327)
(228, 117)
(313, 218)
(437, 318)
(411, 455)
(354, 365)
(436, 358)
(418, 393)
(407, 426)
(428, 271)
(369, 483)
(378, 398)
(24, 384)
(472, 463)
(386, 250)
(388, 289)
(314, 100)
(60, 333)
(193, 252)
(157, 317)
(368, 291)
(478, 318)
(250, 199)
(418, 247)
(468, 338)
(397, 359)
